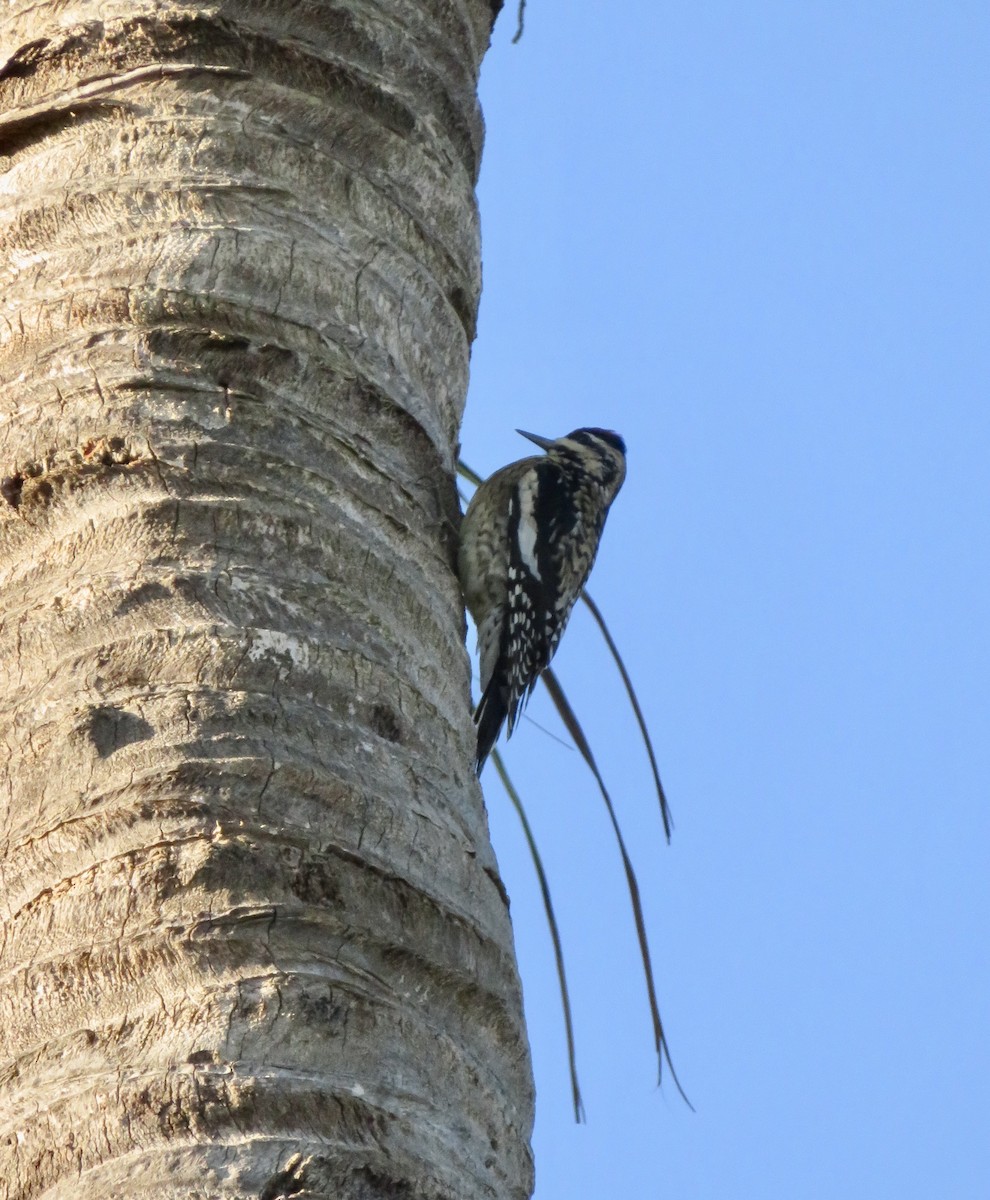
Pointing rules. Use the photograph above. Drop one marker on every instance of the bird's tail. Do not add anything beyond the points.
(489, 717)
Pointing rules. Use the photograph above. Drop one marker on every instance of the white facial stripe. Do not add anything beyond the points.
(578, 447)
(527, 523)
(595, 450)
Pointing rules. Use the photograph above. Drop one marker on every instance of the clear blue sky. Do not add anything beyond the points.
(755, 239)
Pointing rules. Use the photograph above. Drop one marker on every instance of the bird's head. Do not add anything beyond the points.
(601, 453)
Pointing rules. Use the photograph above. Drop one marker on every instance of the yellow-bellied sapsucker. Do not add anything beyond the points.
(528, 542)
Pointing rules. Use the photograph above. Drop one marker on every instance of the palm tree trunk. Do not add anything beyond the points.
(254, 942)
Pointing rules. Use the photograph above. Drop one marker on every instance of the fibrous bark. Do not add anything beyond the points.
(253, 940)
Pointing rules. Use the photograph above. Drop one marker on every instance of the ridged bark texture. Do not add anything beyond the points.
(254, 942)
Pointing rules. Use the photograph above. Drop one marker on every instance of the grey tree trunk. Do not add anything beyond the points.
(254, 942)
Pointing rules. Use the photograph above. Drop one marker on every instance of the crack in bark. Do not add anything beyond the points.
(37, 483)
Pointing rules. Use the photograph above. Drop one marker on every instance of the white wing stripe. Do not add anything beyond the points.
(527, 523)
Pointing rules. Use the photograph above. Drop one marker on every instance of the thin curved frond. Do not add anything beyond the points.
(668, 822)
(577, 733)
(558, 949)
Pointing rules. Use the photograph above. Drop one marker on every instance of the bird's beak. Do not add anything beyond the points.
(542, 442)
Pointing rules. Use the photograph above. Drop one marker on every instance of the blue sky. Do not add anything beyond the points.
(755, 239)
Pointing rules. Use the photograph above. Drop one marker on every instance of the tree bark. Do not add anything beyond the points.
(254, 941)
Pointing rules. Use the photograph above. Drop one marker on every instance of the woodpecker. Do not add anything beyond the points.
(528, 543)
